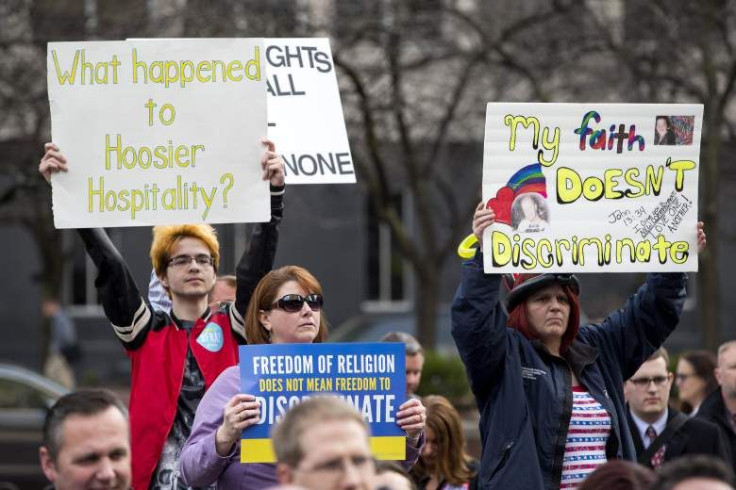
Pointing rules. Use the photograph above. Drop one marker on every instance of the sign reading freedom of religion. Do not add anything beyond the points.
(591, 187)
(158, 133)
(305, 116)
(369, 376)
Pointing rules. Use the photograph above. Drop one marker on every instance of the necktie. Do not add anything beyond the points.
(658, 457)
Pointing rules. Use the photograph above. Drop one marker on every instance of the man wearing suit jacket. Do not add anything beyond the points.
(660, 432)
(720, 406)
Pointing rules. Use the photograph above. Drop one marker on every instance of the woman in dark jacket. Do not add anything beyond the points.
(549, 391)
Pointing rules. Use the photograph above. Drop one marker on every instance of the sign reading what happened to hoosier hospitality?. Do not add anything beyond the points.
(369, 376)
(591, 187)
(158, 132)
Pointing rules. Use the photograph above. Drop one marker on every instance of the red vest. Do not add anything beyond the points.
(157, 374)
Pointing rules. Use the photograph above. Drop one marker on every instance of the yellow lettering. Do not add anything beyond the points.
(680, 167)
(569, 185)
(234, 65)
(501, 247)
(514, 121)
(253, 66)
(611, 184)
(67, 76)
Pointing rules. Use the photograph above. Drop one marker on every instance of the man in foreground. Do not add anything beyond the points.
(86, 442)
(323, 444)
(720, 406)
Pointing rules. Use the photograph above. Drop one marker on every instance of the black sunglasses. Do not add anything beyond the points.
(291, 303)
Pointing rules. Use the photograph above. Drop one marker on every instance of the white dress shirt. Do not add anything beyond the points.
(659, 425)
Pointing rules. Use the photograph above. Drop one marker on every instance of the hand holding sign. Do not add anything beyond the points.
(701, 237)
(482, 219)
(411, 418)
(272, 164)
(52, 161)
(240, 412)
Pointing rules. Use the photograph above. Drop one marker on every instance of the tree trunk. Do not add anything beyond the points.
(708, 291)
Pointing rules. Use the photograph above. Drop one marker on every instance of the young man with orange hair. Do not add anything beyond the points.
(176, 355)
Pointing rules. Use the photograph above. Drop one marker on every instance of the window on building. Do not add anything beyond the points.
(386, 270)
(78, 286)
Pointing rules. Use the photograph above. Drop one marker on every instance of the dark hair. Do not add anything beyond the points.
(618, 474)
(666, 120)
(704, 364)
(695, 466)
(413, 347)
(81, 402)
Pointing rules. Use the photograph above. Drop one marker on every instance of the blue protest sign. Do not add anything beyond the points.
(369, 376)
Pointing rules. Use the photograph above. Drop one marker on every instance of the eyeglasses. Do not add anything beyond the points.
(291, 303)
(643, 383)
(185, 260)
(680, 377)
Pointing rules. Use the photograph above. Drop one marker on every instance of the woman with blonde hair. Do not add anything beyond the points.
(443, 463)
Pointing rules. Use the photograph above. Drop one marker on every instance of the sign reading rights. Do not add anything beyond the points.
(305, 113)
(591, 187)
(158, 133)
(369, 376)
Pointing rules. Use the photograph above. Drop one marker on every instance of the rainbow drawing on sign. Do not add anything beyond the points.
(525, 180)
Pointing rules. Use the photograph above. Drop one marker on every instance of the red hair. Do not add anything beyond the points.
(519, 321)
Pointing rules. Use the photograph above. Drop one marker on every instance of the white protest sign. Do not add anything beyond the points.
(591, 187)
(158, 133)
(305, 116)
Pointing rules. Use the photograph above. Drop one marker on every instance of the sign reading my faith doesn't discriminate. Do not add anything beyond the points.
(591, 187)
(369, 376)
(158, 133)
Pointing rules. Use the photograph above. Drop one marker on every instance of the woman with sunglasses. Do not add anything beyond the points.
(695, 379)
(550, 391)
(286, 307)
